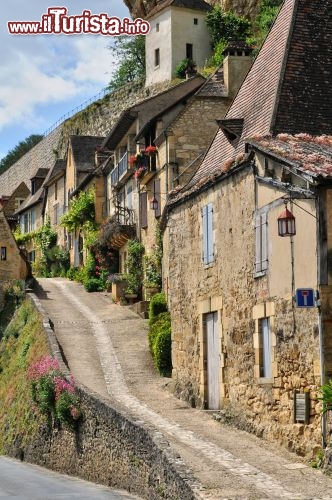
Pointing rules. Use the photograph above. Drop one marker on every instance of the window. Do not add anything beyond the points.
(261, 263)
(265, 349)
(195, 20)
(18, 202)
(143, 204)
(189, 50)
(157, 57)
(130, 197)
(55, 190)
(3, 254)
(157, 27)
(207, 226)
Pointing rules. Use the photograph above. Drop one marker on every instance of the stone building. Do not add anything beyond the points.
(178, 31)
(240, 342)
(13, 265)
(54, 205)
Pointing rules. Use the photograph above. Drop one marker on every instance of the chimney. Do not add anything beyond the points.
(237, 62)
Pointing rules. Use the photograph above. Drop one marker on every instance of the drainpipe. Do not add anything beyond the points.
(320, 323)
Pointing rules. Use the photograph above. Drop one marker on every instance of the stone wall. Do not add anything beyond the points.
(109, 447)
(229, 288)
(96, 119)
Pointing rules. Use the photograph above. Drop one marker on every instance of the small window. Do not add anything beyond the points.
(157, 57)
(157, 27)
(189, 51)
(207, 226)
(265, 350)
(55, 190)
(3, 254)
(195, 20)
(261, 263)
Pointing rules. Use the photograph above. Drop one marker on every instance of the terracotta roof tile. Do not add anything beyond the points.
(308, 154)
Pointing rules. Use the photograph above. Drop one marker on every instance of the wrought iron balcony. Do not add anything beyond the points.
(120, 228)
(122, 170)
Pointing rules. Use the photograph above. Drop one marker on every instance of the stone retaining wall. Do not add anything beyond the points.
(109, 447)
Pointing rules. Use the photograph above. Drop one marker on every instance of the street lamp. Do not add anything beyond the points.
(286, 223)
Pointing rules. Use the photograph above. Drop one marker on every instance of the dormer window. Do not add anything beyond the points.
(33, 186)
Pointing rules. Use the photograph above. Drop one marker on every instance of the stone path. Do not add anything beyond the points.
(106, 349)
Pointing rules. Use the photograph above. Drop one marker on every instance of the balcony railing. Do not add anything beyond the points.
(121, 169)
(119, 228)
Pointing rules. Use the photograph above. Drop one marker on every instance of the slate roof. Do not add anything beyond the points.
(41, 173)
(55, 172)
(214, 85)
(30, 202)
(186, 4)
(150, 108)
(84, 148)
(286, 90)
(307, 154)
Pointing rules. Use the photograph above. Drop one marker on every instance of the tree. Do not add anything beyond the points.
(130, 54)
(18, 151)
(225, 26)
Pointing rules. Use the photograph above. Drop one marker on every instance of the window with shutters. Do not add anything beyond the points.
(261, 263)
(143, 205)
(207, 229)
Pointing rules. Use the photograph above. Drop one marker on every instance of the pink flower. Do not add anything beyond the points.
(44, 366)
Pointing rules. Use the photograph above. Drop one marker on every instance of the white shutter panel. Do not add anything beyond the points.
(205, 234)
(264, 260)
(258, 262)
(210, 253)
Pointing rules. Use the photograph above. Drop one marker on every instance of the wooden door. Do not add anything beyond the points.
(213, 361)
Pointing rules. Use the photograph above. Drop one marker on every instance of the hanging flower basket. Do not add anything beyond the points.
(139, 172)
(132, 161)
(151, 150)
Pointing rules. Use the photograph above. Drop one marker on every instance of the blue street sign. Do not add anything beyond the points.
(305, 297)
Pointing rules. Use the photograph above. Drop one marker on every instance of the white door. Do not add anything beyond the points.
(213, 361)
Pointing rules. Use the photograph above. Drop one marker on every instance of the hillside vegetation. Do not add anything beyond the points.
(23, 343)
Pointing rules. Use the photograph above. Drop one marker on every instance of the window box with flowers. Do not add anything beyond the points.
(151, 150)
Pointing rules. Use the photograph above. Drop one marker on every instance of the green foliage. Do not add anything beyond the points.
(18, 151)
(160, 343)
(326, 396)
(268, 10)
(58, 261)
(226, 25)
(130, 54)
(183, 66)
(81, 210)
(157, 306)
(134, 266)
(162, 351)
(93, 285)
(72, 272)
(53, 394)
(22, 345)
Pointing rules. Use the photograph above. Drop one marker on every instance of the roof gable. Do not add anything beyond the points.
(83, 151)
(279, 93)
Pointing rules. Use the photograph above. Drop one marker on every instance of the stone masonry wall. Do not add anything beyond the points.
(109, 447)
(228, 286)
(96, 119)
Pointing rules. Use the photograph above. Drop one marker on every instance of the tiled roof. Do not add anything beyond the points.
(30, 202)
(41, 173)
(84, 147)
(186, 4)
(214, 85)
(58, 168)
(151, 107)
(281, 94)
(308, 154)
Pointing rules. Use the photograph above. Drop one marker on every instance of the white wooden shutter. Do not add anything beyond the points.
(210, 252)
(258, 262)
(204, 229)
(264, 260)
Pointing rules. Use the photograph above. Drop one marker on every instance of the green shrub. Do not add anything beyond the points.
(162, 351)
(183, 66)
(326, 396)
(93, 285)
(157, 306)
(162, 322)
(71, 273)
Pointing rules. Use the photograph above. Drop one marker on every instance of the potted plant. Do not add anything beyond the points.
(134, 269)
(151, 150)
(152, 274)
(118, 283)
